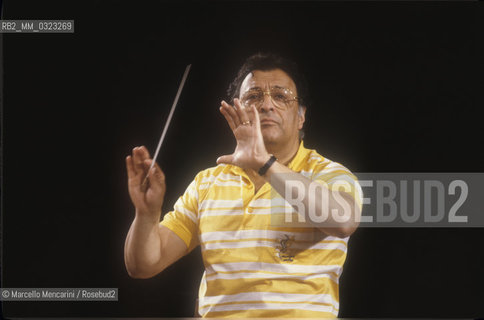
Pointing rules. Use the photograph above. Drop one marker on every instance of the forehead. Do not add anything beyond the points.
(266, 79)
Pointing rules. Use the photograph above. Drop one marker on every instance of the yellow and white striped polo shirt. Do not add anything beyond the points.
(254, 268)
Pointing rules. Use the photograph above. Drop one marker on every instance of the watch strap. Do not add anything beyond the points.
(267, 165)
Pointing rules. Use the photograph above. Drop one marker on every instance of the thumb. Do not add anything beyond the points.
(156, 178)
(225, 159)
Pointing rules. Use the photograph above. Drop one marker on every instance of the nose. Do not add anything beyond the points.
(267, 104)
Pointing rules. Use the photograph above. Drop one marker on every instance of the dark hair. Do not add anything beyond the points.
(267, 62)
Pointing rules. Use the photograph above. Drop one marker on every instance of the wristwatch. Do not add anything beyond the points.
(267, 165)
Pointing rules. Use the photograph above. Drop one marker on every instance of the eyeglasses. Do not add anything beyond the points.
(281, 97)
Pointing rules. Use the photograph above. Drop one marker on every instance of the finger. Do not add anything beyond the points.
(134, 177)
(147, 165)
(130, 168)
(138, 158)
(228, 118)
(145, 152)
(241, 112)
(227, 159)
(156, 178)
(255, 114)
(232, 113)
(250, 113)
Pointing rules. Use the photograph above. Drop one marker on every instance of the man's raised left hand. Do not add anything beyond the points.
(250, 152)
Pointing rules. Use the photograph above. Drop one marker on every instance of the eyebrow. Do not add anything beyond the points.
(259, 88)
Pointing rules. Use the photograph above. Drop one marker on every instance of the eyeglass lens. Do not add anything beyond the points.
(281, 97)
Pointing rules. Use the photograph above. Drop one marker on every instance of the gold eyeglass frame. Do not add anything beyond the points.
(268, 93)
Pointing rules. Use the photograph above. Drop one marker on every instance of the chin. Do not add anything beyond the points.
(270, 137)
(273, 135)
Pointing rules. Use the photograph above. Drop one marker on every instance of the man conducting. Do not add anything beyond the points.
(259, 260)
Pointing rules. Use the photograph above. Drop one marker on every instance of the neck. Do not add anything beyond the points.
(284, 155)
(285, 152)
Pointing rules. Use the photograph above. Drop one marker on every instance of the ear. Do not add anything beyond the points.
(301, 117)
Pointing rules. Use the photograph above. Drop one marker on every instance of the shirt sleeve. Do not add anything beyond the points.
(338, 178)
(183, 220)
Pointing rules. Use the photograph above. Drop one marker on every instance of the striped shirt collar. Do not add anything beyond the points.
(300, 159)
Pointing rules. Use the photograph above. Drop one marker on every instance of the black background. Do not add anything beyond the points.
(396, 87)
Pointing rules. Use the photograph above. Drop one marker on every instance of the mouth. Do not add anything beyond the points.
(267, 122)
